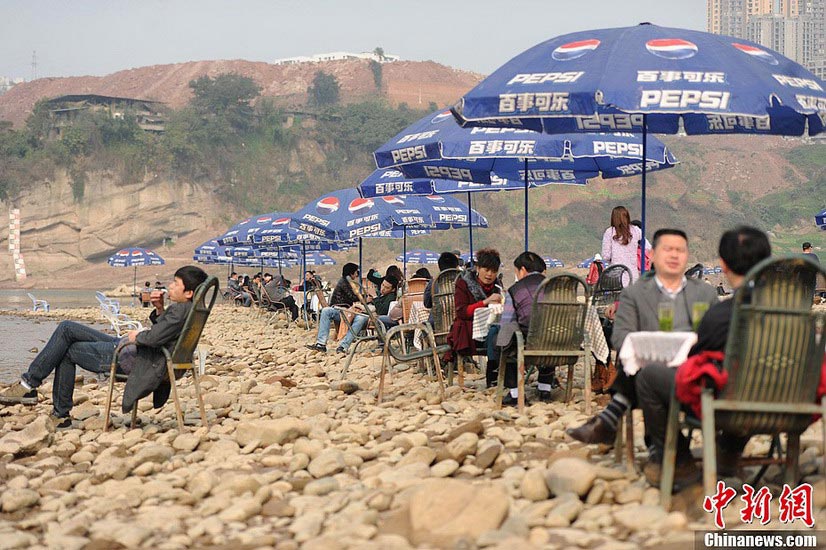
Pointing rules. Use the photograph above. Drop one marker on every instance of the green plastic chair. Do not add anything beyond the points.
(773, 357)
(556, 335)
(181, 357)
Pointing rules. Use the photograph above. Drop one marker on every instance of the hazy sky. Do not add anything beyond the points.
(97, 37)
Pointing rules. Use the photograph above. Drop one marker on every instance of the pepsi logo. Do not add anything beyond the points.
(394, 200)
(440, 117)
(281, 221)
(757, 53)
(436, 198)
(574, 50)
(123, 252)
(264, 219)
(136, 252)
(360, 206)
(327, 205)
(671, 48)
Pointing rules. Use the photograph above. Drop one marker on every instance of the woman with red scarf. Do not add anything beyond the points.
(474, 289)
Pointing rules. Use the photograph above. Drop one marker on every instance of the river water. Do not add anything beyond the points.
(20, 336)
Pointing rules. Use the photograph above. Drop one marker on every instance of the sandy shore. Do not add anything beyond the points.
(294, 458)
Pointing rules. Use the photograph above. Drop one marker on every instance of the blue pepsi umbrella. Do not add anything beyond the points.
(648, 78)
(419, 256)
(134, 257)
(552, 262)
(586, 263)
(437, 147)
(820, 219)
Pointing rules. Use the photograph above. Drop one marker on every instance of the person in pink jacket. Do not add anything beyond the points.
(620, 242)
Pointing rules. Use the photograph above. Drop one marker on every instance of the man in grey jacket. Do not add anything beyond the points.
(638, 310)
(74, 344)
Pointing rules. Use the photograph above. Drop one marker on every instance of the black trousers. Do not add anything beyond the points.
(655, 385)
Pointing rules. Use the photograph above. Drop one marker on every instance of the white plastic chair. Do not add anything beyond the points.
(112, 304)
(38, 304)
(120, 322)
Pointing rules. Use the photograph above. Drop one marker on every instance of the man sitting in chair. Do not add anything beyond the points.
(740, 249)
(277, 288)
(343, 295)
(76, 344)
(530, 272)
(638, 311)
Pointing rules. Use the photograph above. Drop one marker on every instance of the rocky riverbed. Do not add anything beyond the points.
(296, 457)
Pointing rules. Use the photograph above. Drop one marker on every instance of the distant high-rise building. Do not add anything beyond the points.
(795, 28)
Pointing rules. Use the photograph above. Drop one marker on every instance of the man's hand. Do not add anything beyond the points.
(610, 311)
(132, 335)
(156, 299)
(357, 307)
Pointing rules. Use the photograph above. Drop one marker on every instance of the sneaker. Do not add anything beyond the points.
(511, 401)
(60, 422)
(317, 347)
(545, 396)
(341, 350)
(18, 394)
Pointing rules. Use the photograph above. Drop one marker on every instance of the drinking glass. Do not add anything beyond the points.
(665, 312)
(698, 309)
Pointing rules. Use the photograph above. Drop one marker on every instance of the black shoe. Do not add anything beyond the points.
(340, 350)
(545, 396)
(60, 422)
(512, 401)
(593, 432)
(18, 394)
(317, 347)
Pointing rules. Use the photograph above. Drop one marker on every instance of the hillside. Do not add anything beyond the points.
(78, 209)
(412, 82)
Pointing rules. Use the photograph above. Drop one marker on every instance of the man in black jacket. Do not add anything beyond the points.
(343, 295)
(74, 344)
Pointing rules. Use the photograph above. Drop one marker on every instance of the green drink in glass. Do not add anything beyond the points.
(698, 310)
(665, 312)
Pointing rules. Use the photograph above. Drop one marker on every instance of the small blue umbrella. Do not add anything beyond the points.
(648, 78)
(135, 257)
(586, 263)
(552, 262)
(419, 256)
(466, 257)
(319, 258)
(820, 219)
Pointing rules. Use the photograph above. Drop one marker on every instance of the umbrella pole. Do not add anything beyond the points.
(526, 204)
(134, 286)
(404, 250)
(470, 222)
(304, 283)
(642, 196)
(280, 274)
(360, 272)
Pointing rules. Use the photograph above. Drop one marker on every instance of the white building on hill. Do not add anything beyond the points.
(336, 56)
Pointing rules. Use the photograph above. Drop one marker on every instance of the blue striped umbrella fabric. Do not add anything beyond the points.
(419, 256)
(552, 262)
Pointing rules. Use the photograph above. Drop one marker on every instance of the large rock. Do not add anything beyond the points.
(533, 485)
(640, 517)
(268, 432)
(570, 475)
(462, 446)
(329, 462)
(444, 511)
(17, 499)
(29, 440)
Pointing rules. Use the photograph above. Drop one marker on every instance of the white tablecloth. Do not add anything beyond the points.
(641, 349)
(483, 318)
(418, 314)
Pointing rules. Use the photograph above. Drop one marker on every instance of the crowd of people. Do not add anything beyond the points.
(477, 285)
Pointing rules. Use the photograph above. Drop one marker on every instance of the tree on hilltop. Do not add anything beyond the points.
(379, 52)
(324, 90)
(228, 97)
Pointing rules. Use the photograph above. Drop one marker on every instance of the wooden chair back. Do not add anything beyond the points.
(414, 292)
(444, 308)
(557, 321)
(774, 349)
